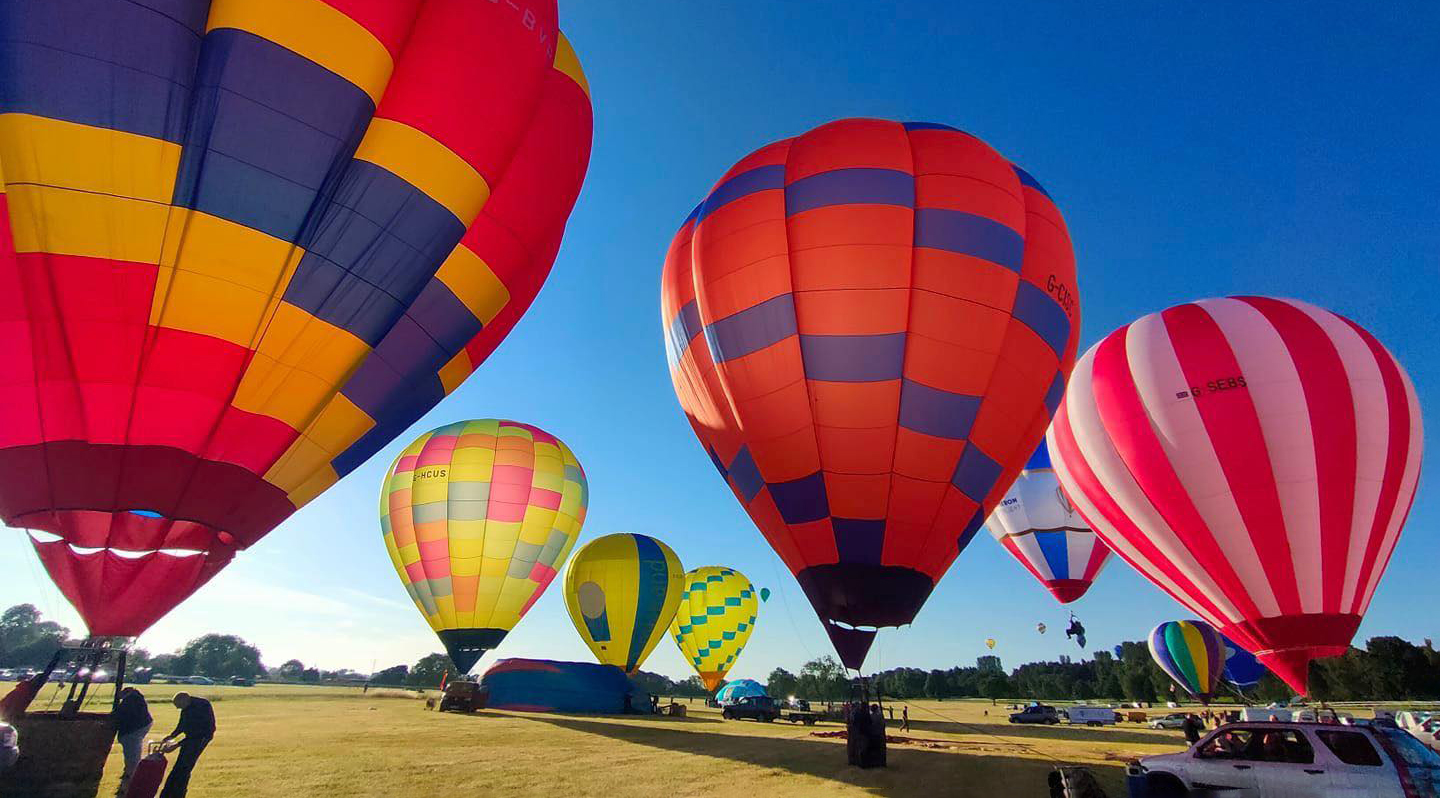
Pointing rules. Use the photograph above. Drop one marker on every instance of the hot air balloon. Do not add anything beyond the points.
(622, 591)
(1119, 652)
(714, 621)
(764, 594)
(990, 643)
(1038, 525)
(869, 327)
(242, 247)
(1241, 667)
(1040, 627)
(1192, 653)
(1253, 457)
(478, 517)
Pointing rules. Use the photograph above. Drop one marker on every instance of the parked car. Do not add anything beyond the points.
(751, 707)
(1265, 714)
(1293, 760)
(203, 680)
(7, 675)
(9, 745)
(242, 681)
(1037, 713)
(463, 696)
(1092, 716)
(1174, 720)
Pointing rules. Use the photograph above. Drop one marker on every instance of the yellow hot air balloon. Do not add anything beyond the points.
(478, 517)
(990, 643)
(622, 590)
(715, 618)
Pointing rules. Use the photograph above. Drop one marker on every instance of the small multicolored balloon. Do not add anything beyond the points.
(1192, 653)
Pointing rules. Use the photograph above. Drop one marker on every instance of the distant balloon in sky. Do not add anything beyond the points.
(622, 591)
(1253, 457)
(1040, 627)
(990, 643)
(1038, 525)
(714, 621)
(1119, 652)
(1192, 653)
(478, 517)
(764, 594)
(1241, 667)
(243, 245)
(869, 327)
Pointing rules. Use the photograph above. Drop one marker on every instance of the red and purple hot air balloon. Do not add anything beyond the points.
(1253, 457)
(242, 246)
(869, 327)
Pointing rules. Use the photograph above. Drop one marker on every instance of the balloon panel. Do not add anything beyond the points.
(1253, 457)
(1190, 652)
(1040, 528)
(622, 591)
(478, 517)
(843, 315)
(1241, 667)
(714, 620)
(263, 250)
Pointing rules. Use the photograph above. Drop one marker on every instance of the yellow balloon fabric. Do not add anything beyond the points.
(622, 590)
(990, 642)
(478, 517)
(716, 615)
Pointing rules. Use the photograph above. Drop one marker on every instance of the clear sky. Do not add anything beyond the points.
(1265, 148)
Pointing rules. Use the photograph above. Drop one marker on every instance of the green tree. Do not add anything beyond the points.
(220, 657)
(291, 671)
(824, 679)
(1138, 686)
(995, 686)
(395, 674)
(782, 684)
(429, 670)
(27, 641)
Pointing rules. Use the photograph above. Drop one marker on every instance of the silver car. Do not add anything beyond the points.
(1294, 760)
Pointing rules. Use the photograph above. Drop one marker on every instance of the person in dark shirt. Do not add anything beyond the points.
(197, 724)
(1192, 727)
(132, 721)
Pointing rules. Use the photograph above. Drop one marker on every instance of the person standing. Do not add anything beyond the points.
(905, 717)
(197, 724)
(132, 721)
(1192, 727)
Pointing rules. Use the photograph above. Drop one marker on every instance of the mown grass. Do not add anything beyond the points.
(322, 742)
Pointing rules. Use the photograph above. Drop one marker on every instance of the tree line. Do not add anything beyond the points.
(1387, 668)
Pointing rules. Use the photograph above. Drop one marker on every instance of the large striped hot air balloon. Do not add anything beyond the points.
(1192, 653)
(622, 591)
(478, 517)
(713, 623)
(1253, 457)
(245, 243)
(869, 327)
(1038, 525)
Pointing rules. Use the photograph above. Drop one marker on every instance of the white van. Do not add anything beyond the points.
(1091, 716)
(1262, 714)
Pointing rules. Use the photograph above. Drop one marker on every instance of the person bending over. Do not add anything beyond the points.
(197, 725)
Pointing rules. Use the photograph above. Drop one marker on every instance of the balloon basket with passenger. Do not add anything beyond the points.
(63, 749)
(864, 726)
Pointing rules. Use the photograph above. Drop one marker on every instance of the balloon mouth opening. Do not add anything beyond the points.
(40, 538)
(1067, 590)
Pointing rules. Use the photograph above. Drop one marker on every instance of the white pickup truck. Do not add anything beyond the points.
(1293, 760)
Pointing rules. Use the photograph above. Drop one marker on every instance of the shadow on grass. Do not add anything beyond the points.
(641, 719)
(911, 772)
(1084, 734)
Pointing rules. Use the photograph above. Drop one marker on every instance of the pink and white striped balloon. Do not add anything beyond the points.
(1255, 458)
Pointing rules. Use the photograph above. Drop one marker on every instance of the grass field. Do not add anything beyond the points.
(323, 742)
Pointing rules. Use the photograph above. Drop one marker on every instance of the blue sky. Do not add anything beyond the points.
(1285, 151)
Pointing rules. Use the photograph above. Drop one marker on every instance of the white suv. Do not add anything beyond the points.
(1294, 760)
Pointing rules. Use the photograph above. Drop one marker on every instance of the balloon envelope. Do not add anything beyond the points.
(1253, 457)
(478, 517)
(622, 591)
(990, 642)
(1038, 525)
(869, 327)
(1040, 627)
(242, 247)
(740, 688)
(714, 621)
(1192, 653)
(1242, 669)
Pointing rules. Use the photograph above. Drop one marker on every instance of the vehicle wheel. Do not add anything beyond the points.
(725, 713)
(1051, 721)
(809, 721)
(1164, 785)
